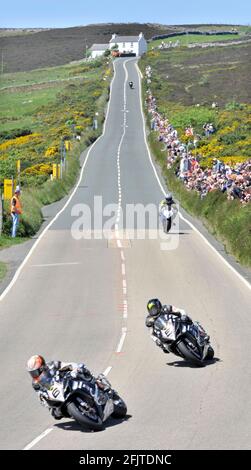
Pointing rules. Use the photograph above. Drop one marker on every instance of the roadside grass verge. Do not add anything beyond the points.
(3, 270)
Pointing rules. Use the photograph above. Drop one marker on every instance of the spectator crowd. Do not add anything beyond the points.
(234, 180)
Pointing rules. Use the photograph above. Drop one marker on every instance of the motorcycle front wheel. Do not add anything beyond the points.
(82, 409)
(188, 350)
(210, 354)
(120, 408)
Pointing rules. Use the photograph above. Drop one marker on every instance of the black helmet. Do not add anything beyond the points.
(169, 198)
(154, 307)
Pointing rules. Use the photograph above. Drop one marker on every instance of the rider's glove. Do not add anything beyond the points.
(74, 373)
(186, 319)
(36, 386)
(103, 382)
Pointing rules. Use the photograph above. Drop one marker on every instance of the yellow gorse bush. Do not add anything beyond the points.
(211, 149)
(51, 151)
(19, 141)
(39, 169)
(229, 160)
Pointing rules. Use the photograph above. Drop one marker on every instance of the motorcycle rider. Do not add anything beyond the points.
(166, 211)
(44, 373)
(131, 84)
(168, 313)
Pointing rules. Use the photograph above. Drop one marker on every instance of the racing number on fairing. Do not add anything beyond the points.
(55, 392)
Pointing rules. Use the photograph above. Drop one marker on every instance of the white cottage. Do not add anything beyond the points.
(98, 49)
(135, 45)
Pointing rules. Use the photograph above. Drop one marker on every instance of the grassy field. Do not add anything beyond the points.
(201, 76)
(196, 38)
(42, 75)
(187, 82)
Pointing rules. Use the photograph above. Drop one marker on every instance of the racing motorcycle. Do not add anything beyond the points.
(88, 402)
(189, 341)
(167, 215)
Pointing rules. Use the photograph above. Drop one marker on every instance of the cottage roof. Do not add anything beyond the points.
(99, 47)
(117, 39)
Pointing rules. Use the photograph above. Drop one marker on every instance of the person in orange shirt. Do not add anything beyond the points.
(16, 210)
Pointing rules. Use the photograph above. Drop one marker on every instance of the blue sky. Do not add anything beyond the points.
(63, 13)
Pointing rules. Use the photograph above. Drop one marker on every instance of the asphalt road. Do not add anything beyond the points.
(85, 300)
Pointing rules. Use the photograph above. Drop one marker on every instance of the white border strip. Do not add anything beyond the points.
(107, 370)
(35, 441)
(122, 339)
(241, 278)
(18, 271)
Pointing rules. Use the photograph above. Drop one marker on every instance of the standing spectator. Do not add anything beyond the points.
(16, 210)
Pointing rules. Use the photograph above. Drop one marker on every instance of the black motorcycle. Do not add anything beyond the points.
(90, 403)
(131, 85)
(189, 341)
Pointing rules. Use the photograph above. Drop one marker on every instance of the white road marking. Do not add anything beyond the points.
(122, 255)
(18, 271)
(107, 371)
(119, 244)
(35, 441)
(123, 268)
(122, 339)
(54, 264)
(241, 278)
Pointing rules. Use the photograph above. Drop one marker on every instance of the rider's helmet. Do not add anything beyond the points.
(154, 307)
(36, 366)
(169, 198)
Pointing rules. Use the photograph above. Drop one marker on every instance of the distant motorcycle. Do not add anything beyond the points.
(189, 341)
(86, 402)
(167, 215)
(131, 85)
